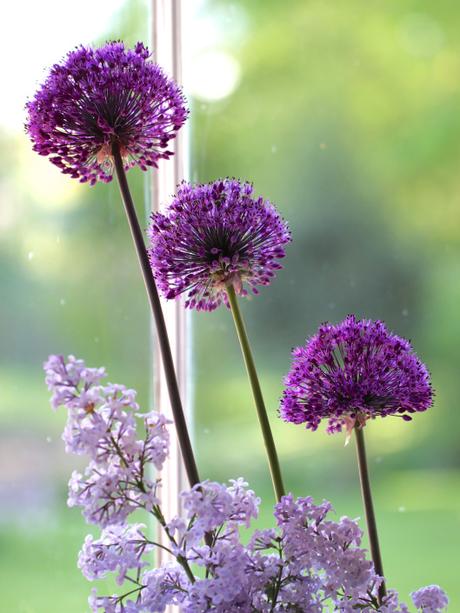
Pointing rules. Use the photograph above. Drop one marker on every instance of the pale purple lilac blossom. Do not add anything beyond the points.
(119, 548)
(101, 423)
(96, 98)
(214, 235)
(308, 563)
(353, 371)
(430, 599)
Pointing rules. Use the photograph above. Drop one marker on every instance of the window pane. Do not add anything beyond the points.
(347, 119)
(69, 284)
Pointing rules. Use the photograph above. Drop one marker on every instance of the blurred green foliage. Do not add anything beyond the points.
(346, 116)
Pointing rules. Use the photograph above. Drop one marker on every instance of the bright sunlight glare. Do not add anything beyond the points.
(36, 35)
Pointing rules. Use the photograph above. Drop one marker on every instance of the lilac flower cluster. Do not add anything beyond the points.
(102, 424)
(212, 236)
(308, 563)
(120, 548)
(98, 98)
(305, 562)
(353, 371)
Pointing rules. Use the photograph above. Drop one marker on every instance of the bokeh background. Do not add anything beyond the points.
(347, 116)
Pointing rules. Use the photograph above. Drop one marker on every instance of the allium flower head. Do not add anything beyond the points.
(212, 236)
(97, 98)
(353, 371)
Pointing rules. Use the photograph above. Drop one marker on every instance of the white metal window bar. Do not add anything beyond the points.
(167, 50)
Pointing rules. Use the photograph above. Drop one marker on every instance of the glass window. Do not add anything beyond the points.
(347, 119)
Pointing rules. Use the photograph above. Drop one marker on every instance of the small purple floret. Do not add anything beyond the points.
(212, 236)
(353, 371)
(430, 599)
(100, 97)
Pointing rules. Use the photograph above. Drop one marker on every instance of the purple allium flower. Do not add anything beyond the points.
(100, 97)
(212, 236)
(353, 371)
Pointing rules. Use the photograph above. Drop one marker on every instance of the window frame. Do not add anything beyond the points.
(167, 46)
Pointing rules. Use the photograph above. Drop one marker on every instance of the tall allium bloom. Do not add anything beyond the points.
(212, 236)
(100, 97)
(349, 373)
(353, 371)
(105, 110)
(212, 243)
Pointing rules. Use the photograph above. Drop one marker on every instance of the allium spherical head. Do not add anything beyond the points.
(213, 236)
(98, 98)
(353, 371)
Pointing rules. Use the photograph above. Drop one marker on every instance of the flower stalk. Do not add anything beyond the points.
(272, 455)
(163, 339)
(369, 507)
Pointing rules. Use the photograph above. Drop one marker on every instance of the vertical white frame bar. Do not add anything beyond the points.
(167, 51)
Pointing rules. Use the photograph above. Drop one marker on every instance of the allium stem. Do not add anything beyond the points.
(369, 507)
(165, 347)
(273, 462)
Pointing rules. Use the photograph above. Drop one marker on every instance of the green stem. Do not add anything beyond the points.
(273, 462)
(369, 507)
(182, 561)
(165, 347)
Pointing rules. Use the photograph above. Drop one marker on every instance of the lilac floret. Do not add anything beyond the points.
(212, 236)
(353, 371)
(119, 548)
(430, 599)
(98, 98)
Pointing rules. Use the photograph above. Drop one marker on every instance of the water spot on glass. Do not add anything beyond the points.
(48, 439)
(378, 459)
(323, 146)
(58, 240)
(206, 431)
(62, 301)
(30, 255)
(401, 509)
(405, 312)
(203, 107)
(331, 305)
(274, 149)
(96, 339)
